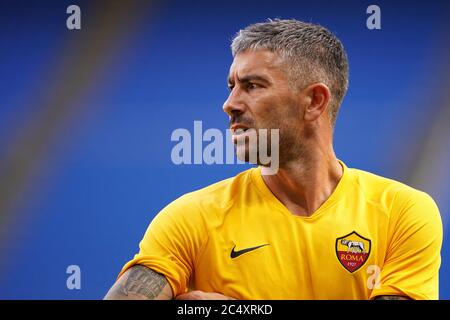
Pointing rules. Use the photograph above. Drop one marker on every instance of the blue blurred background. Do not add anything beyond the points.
(86, 118)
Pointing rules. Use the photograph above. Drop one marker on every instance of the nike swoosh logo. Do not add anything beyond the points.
(235, 254)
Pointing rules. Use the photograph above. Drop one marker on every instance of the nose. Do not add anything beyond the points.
(234, 105)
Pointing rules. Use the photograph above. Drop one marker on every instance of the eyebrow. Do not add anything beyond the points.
(250, 77)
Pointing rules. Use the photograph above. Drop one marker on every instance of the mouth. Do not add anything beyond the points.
(240, 133)
(238, 128)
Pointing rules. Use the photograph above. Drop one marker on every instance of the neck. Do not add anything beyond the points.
(304, 185)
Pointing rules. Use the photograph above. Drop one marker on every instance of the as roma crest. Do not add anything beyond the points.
(352, 251)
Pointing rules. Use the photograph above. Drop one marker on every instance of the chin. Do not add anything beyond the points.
(246, 154)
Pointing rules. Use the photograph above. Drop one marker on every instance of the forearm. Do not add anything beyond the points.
(140, 283)
(392, 298)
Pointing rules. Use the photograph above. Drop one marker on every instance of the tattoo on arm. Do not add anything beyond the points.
(392, 298)
(140, 282)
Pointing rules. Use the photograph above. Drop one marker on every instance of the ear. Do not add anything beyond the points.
(317, 97)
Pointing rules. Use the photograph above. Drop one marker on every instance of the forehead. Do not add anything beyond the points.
(263, 62)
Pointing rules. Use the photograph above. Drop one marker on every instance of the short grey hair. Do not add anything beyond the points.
(311, 52)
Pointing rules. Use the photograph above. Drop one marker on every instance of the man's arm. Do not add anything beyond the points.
(140, 283)
(201, 295)
(392, 298)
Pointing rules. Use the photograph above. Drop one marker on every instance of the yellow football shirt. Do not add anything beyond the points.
(373, 236)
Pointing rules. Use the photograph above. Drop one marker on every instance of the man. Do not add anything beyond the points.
(315, 229)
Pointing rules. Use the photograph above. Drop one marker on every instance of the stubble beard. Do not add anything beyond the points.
(290, 146)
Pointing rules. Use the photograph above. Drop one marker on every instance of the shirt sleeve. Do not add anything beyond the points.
(411, 266)
(171, 243)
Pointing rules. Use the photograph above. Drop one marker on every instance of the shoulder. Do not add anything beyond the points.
(211, 200)
(398, 199)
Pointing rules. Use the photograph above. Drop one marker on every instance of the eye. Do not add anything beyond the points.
(230, 87)
(252, 86)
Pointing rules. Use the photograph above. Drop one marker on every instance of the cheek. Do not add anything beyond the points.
(267, 110)
(279, 114)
